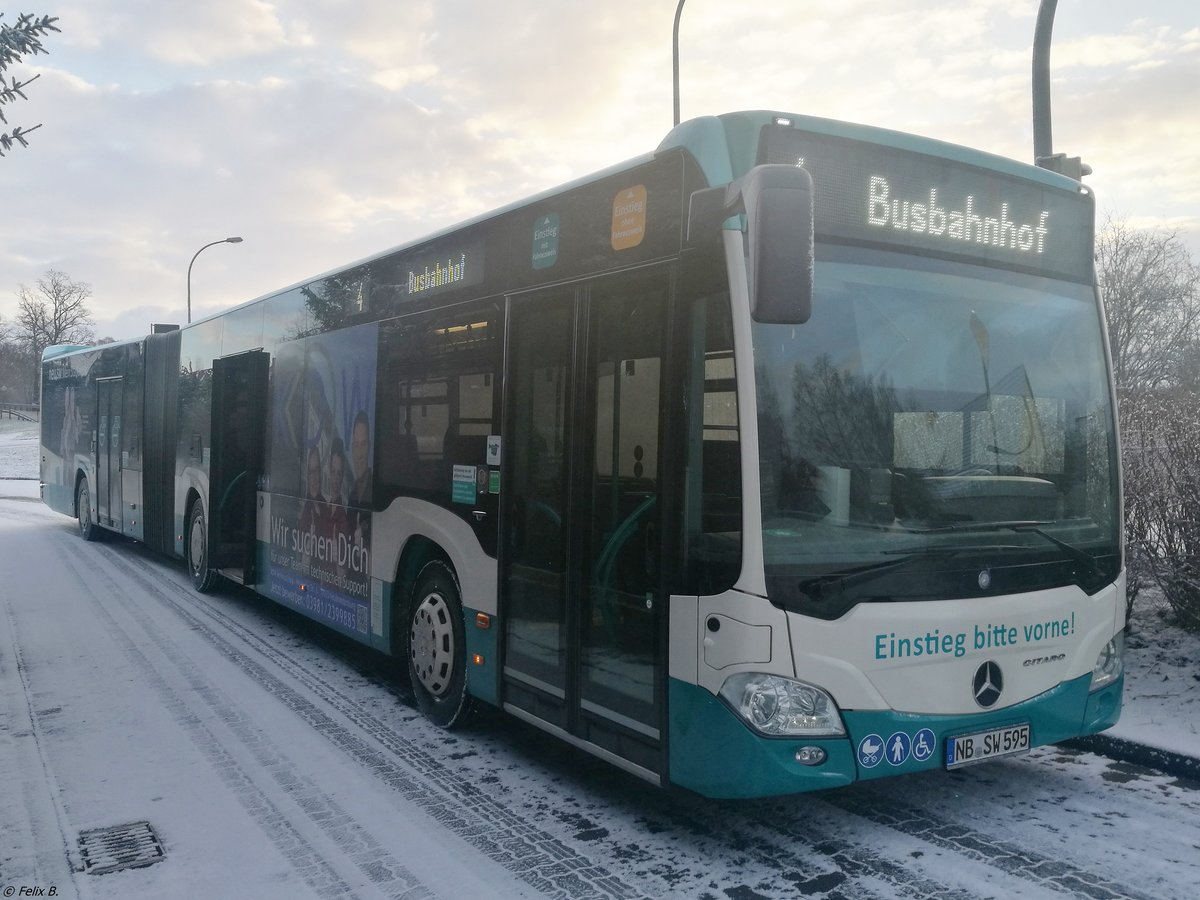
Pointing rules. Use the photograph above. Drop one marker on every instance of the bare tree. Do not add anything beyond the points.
(1161, 437)
(55, 313)
(1152, 303)
(16, 383)
(17, 42)
(1151, 291)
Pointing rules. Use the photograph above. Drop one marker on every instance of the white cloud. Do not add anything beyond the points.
(322, 132)
(400, 77)
(178, 33)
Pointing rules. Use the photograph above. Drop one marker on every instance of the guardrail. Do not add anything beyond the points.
(25, 412)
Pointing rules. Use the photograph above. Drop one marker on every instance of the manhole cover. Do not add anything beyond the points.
(120, 847)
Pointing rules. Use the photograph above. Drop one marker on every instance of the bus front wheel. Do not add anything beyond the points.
(88, 530)
(204, 578)
(437, 659)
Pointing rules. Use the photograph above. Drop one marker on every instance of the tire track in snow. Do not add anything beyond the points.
(1010, 858)
(853, 862)
(41, 820)
(1005, 856)
(532, 854)
(317, 871)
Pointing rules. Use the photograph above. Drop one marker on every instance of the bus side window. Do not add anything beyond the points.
(416, 420)
(437, 406)
(714, 490)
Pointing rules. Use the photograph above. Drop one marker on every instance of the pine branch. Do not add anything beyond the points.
(22, 39)
(17, 136)
(10, 92)
(16, 42)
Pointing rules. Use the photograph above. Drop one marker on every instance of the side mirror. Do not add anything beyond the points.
(778, 203)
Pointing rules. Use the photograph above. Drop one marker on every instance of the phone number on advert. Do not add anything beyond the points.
(324, 609)
(336, 614)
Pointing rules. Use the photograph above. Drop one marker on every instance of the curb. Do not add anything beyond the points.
(1174, 764)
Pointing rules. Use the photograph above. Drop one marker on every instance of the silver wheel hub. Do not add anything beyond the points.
(196, 543)
(432, 644)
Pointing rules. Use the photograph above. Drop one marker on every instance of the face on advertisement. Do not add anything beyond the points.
(314, 472)
(337, 472)
(360, 447)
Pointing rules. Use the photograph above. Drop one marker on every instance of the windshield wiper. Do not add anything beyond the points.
(849, 577)
(1023, 526)
(972, 525)
(1082, 557)
(831, 594)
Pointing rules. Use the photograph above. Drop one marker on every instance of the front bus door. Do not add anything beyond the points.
(239, 409)
(581, 572)
(108, 452)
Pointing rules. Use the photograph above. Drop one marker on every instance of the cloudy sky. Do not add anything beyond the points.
(322, 131)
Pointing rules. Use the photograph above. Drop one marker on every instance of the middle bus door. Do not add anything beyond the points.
(581, 572)
(239, 409)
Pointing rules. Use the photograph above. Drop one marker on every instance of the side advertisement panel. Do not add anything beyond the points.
(323, 430)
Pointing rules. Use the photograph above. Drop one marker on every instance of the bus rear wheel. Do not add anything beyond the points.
(88, 530)
(204, 578)
(437, 658)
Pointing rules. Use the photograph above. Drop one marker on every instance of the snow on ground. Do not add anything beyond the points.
(275, 767)
(118, 705)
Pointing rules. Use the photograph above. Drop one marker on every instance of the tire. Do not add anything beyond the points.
(204, 579)
(437, 647)
(88, 530)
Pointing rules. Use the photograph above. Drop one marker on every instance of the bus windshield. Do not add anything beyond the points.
(935, 432)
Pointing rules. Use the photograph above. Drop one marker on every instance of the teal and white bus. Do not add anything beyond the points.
(781, 457)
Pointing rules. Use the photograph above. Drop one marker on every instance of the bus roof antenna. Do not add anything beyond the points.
(675, 56)
(1043, 138)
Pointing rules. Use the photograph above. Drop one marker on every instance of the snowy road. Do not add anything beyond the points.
(276, 760)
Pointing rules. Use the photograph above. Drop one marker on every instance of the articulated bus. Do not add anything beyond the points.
(781, 457)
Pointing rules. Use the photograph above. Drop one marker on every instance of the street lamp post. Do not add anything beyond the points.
(675, 56)
(228, 240)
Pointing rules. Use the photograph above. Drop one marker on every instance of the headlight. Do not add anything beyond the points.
(1110, 663)
(779, 707)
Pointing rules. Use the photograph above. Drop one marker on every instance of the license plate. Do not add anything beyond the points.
(984, 745)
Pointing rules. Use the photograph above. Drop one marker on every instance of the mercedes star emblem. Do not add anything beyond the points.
(987, 684)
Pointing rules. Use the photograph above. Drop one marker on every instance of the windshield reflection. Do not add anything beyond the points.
(923, 410)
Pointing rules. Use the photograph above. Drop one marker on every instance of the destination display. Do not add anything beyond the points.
(431, 271)
(868, 193)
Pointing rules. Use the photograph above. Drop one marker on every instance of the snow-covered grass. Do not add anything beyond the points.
(1162, 680)
(18, 449)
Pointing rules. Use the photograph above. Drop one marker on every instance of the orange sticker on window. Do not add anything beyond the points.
(629, 217)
